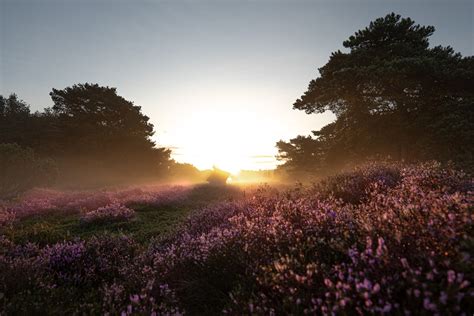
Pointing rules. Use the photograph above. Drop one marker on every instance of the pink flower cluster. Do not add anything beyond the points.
(404, 246)
(351, 186)
(6, 217)
(39, 201)
(106, 275)
(109, 213)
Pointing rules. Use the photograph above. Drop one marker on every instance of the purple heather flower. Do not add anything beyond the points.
(451, 276)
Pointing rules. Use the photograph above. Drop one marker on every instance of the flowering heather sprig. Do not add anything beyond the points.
(6, 217)
(109, 213)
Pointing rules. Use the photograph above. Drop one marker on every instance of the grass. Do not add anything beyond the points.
(150, 221)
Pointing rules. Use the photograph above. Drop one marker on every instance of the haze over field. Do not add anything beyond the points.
(236, 157)
(216, 78)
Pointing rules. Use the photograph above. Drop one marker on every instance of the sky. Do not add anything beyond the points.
(217, 78)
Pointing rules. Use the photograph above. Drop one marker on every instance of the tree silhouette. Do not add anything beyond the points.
(21, 169)
(14, 119)
(105, 131)
(95, 135)
(394, 96)
(93, 116)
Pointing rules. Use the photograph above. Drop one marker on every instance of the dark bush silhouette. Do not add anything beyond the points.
(218, 177)
(21, 169)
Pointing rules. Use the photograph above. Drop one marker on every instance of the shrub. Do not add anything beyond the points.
(39, 201)
(110, 213)
(351, 186)
(103, 275)
(6, 217)
(218, 177)
(21, 170)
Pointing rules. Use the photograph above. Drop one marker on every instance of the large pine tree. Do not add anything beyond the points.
(393, 95)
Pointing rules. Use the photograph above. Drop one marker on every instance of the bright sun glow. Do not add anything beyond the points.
(227, 140)
(227, 121)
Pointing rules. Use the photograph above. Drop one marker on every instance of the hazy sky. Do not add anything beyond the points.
(217, 78)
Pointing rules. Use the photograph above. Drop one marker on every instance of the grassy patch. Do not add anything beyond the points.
(150, 221)
(53, 227)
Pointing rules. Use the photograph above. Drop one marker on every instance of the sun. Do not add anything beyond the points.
(227, 140)
(223, 148)
(228, 161)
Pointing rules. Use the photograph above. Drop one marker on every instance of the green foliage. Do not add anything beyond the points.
(56, 226)
(21, 170)
(393, 96)
(152, 221)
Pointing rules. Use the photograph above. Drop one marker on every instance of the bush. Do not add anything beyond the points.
(21, 170)
(110, 213)
(40, 201)
(218, 177)
(352, 186)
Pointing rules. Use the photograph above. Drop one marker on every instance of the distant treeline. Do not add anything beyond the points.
(394, 98)
(91, 136)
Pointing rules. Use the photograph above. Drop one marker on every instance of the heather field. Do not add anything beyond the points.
(380, 239)
(236, 157)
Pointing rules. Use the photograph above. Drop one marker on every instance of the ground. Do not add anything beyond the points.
(150, 221)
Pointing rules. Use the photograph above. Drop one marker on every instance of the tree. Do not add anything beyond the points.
(14, 118)
(32, 130)
(302, 155)
(95, 116)
(395, 96)
(98, 128)
(96, 136)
